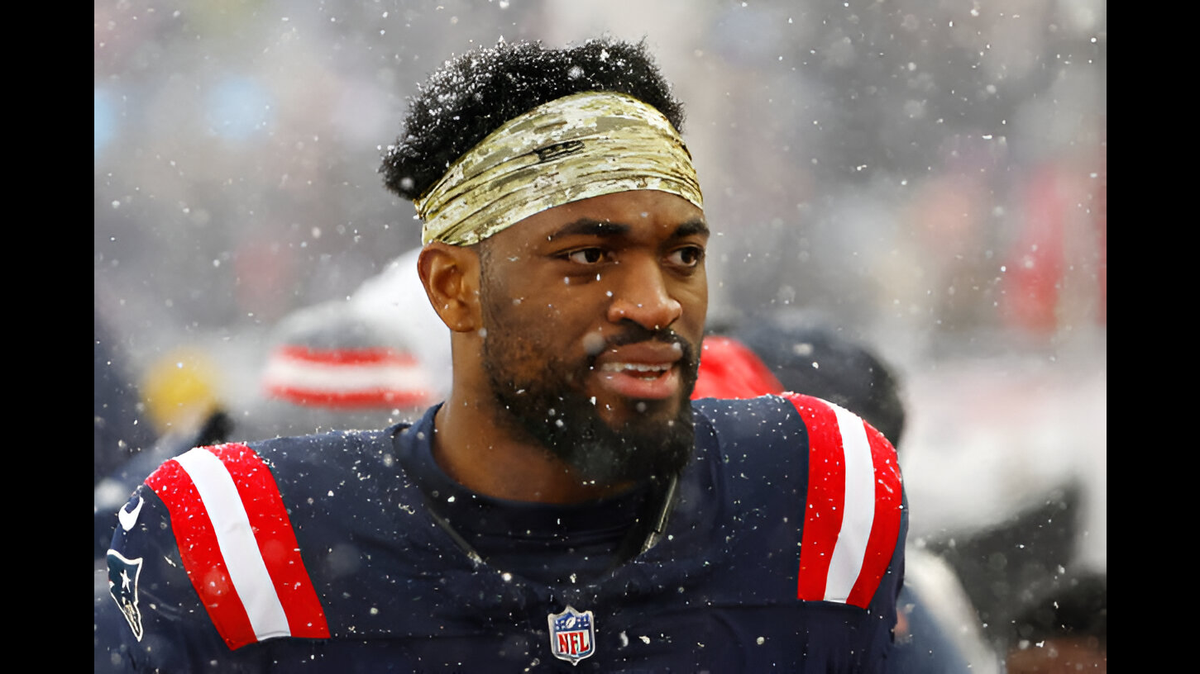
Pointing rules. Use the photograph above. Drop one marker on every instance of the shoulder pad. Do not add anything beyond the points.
(237, 545)
(854, 505)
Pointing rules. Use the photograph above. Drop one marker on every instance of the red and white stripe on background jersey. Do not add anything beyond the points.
(853, 511)
(347, 378)
(238, 546)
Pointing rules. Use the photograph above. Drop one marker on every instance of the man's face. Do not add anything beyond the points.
(594, 313)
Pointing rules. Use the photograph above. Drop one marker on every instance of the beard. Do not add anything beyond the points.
(547, 405)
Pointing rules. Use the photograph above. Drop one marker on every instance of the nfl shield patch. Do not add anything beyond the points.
(572, 635)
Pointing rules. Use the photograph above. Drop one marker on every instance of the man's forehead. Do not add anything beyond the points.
(617, 214)
(608, 228)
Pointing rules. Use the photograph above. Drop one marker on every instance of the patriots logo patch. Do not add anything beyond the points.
(572, 635)
(122, 585)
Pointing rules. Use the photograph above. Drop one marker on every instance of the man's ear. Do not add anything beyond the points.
(451, 278)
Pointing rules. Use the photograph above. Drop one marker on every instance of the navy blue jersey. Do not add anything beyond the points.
(783, 552)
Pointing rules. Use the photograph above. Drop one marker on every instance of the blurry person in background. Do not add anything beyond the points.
(1062, 630)
(567, 507)
(802, 352)
(174, 406)
(808, 355)
(396, 299)
(333, 367)
(1007, 566)
(121, 429)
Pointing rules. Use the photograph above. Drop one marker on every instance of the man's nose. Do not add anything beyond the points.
(642, 295)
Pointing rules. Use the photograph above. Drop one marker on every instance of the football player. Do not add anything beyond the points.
(567, 506)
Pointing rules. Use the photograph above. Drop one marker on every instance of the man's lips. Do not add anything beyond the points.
(646, 370)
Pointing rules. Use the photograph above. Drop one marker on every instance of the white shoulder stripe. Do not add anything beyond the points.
(858, 509)
(239, 548)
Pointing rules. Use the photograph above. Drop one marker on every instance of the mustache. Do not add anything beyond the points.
(635, 333)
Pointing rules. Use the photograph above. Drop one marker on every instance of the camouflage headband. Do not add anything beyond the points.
(580, 146)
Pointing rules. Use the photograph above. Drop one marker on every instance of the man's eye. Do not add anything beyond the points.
(586, 256)
(688, 256)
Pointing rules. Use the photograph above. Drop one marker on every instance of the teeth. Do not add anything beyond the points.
(635, 367)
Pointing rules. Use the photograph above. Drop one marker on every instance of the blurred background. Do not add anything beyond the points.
(928, 176)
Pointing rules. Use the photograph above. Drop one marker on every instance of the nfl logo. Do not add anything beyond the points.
(572, 635)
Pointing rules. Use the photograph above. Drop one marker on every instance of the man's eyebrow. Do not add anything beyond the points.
(590, 227)
(604, 228)
(693, 227)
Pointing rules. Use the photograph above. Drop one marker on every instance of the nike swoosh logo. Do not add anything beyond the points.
(128, 519)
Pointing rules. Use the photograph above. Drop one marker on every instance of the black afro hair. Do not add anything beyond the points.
(474, 94)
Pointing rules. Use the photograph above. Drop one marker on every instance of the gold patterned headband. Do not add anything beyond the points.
(580, 146)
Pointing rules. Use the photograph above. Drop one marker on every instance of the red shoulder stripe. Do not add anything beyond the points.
(201, 554)
(238, 546)
(852, 518)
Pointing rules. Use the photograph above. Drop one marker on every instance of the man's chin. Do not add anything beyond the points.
(620, 415)
(644, 446)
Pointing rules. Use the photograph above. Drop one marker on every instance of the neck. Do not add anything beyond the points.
(482, 453)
